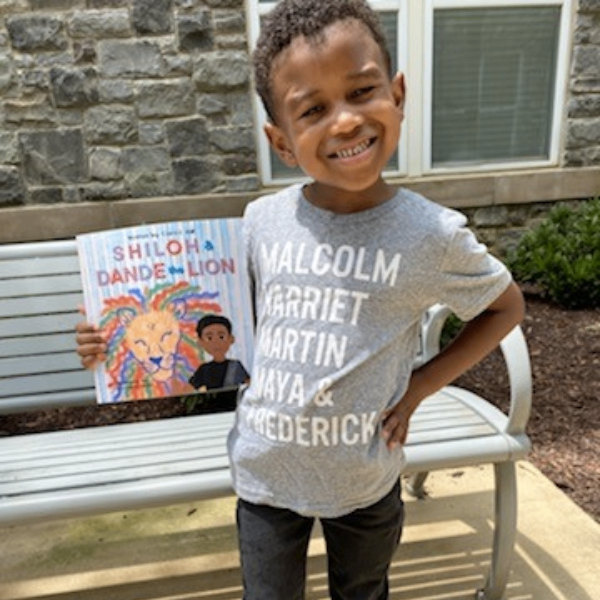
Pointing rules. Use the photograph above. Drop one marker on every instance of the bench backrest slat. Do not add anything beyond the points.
(39, 384)
(39, 324)
(57, 303)
(45, 363)
(39, 285)
(40, 265)
(49, 344)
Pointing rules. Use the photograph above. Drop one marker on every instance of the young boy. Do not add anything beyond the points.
(216, 337)
(343, 269)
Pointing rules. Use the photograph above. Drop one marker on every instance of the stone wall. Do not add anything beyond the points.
(583, 109)
(111, 99)
(117, 99)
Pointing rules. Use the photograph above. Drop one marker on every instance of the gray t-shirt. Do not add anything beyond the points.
(339, 299)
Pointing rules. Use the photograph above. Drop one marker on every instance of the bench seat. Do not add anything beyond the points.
(138, 465)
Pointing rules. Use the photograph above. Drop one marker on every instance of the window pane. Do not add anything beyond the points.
(493, 84)
(389, 20)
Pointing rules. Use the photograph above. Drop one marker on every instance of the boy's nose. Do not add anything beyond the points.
(346, 120)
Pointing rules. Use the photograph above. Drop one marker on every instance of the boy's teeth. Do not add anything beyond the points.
(353, 151)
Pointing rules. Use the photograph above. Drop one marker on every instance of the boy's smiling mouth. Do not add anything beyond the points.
(355, 150)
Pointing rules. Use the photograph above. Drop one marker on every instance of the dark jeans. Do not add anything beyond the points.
(360, 546)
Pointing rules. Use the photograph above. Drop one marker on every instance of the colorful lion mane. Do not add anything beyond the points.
(127, 378)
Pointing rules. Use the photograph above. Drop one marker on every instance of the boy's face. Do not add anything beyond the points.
(216, 340)
(338, 113)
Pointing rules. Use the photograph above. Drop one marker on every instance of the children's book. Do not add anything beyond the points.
(174, 301)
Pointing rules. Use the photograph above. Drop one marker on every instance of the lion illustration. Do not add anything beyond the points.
(153, 349)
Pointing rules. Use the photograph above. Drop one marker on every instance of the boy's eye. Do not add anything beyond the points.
(312, 111)
(363, 91)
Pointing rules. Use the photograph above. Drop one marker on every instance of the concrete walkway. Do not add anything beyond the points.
(189, 552)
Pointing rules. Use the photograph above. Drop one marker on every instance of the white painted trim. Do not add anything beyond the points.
(427, 88)
(442, 4)
(403, 62)
(565, 38)
(490, 167)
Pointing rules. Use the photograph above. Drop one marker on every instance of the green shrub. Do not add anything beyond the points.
(561, 256)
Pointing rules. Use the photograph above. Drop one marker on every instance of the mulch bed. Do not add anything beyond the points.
(565, 419)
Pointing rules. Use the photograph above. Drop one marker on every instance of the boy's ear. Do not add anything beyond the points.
(278, 141)
(399, 91)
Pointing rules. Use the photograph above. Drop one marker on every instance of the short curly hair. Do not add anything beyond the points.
(292, 18)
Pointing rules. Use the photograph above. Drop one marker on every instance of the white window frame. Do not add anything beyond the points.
(415, 60)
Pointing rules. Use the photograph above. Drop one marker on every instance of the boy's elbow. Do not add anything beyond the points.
(512, 304)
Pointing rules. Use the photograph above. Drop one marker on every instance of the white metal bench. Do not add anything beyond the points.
(144, 464)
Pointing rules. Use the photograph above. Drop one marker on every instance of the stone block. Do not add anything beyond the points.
(194, 176)
(12, 7)
(144, 160)
(116, 90)
(586, 62)
(490, 216)
(6, 72)
(151, 133)
(221, 71)
(587, 29)
(69, 118)
(111, 125)
(53, 157)
(29, 111)
(110, 4)
(582, 133)
(584, 105)
(165, 99)
(84, 51)
(195, 32)
(177, 64)
(36, 33)
(9, 150)
(240, 164)
(589, 5)
(48, 5)
(103, 190)
(225, 3)
(228, 139)
(248, 183)
(139, 185)
(211, 104)
(152, 16)
(140, 58)
(585, 157)
(241, 109)
(34, 80)
(104, 163)
(229, 21)
(188, 137)
(99, 24)
(232, 41)
(11, 187)
(74, 87)
(45, 195)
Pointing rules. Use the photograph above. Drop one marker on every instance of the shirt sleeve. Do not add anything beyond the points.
(471, 278)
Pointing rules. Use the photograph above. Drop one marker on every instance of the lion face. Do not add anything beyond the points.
(152, 338)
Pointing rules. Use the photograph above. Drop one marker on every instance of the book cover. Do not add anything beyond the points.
(174, 300)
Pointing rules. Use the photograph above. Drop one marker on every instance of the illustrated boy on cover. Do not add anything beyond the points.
(216, 337)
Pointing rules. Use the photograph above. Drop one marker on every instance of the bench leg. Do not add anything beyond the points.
(414, 485)
(505, 529)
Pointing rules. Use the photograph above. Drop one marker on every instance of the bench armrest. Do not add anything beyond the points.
(516, 356)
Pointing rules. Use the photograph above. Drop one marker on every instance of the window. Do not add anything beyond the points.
(485, 83)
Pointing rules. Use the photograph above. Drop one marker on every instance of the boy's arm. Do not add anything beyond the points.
(477, 339)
